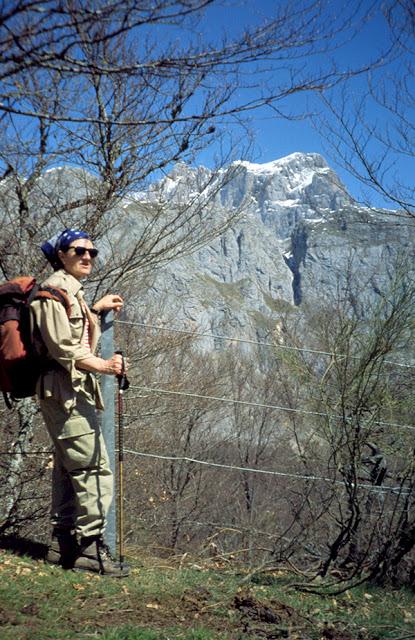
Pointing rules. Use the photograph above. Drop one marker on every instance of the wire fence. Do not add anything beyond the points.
(338, 480)
(341, 481)
(236, 340)
(175, 458)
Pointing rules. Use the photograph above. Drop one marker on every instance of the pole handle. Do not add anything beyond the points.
(123, 382)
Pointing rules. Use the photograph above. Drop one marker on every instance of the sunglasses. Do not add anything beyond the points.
(81, 251)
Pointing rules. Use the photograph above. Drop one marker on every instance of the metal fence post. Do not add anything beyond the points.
(108, 419)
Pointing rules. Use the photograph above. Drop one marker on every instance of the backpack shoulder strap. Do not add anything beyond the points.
(50, 293)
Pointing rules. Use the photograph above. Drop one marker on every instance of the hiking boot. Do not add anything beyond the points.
(63, 548)
(95, 556)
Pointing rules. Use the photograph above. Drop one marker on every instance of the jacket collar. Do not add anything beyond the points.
(66, 281)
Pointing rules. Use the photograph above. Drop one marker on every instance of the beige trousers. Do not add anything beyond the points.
(82, 481)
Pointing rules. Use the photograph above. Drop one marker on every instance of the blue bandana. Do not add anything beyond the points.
(61, 241)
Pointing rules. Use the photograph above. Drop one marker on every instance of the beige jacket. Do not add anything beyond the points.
(61, 340)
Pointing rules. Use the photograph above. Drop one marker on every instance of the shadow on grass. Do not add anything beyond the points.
(24, 547)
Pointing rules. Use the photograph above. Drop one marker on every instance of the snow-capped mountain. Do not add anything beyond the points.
(296, 236)
(299, 235)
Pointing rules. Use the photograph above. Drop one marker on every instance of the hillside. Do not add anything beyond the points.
(189, 599)
(294, 450)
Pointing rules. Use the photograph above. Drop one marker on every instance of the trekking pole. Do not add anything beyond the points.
(123, 385)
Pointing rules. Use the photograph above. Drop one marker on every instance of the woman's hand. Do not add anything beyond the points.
(110, 302)
(117, 365)
(114, 366)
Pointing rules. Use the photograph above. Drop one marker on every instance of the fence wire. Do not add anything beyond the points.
(309, 478)
(261, 405)
(274, 345)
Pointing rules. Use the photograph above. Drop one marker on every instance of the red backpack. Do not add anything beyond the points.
(20, 366)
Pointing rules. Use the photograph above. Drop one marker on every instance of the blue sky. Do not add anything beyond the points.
(359, 34)
(364, 41)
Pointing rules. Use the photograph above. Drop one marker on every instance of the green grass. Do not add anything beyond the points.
(278, 305)
(162, 601)
(134, 633)
(231, 292)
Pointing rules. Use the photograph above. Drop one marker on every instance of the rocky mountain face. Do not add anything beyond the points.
(298, 238)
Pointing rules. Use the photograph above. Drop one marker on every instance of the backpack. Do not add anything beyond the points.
(20, 366)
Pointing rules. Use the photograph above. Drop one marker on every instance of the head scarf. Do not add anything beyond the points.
(61, 241)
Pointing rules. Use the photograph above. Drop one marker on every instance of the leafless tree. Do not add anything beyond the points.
(116, 94)
(369, 125)
(169, 490)
(123, 91)
(363, 437)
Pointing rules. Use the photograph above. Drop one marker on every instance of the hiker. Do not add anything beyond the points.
(69, 394)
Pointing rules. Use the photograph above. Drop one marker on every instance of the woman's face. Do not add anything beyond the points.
(78, 266)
